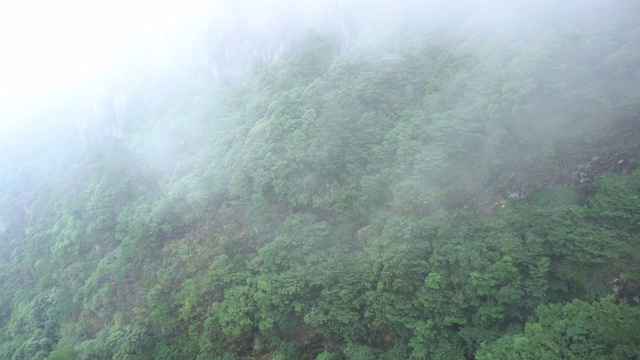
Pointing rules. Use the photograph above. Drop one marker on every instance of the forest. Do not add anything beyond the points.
(415, 181)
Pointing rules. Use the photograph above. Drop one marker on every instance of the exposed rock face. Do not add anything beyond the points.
(607, 160)
(361, 233)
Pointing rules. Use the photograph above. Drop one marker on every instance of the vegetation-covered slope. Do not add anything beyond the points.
(439, 192)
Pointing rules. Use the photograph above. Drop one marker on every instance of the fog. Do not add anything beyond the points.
(49, 47)
(339, 179)
(80, 68)
(86, 62)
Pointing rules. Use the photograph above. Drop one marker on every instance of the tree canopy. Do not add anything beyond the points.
(434, 192)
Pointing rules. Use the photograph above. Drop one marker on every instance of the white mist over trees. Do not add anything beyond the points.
(333, 180)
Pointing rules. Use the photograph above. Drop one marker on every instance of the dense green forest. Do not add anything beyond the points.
(452, 189)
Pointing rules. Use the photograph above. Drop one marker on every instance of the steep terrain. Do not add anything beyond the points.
(457, 184)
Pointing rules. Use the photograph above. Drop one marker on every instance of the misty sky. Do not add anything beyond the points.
(52, 45)
(47, 45)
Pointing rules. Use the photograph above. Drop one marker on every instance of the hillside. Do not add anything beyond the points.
(410, 182)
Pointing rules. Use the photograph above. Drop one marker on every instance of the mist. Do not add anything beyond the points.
(337, 179)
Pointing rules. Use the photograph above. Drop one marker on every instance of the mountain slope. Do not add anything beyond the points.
(435, 192)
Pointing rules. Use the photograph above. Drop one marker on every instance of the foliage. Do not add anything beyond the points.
(432, 195)
(577, 330)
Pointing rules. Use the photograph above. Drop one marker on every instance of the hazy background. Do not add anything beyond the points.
(327, 179)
